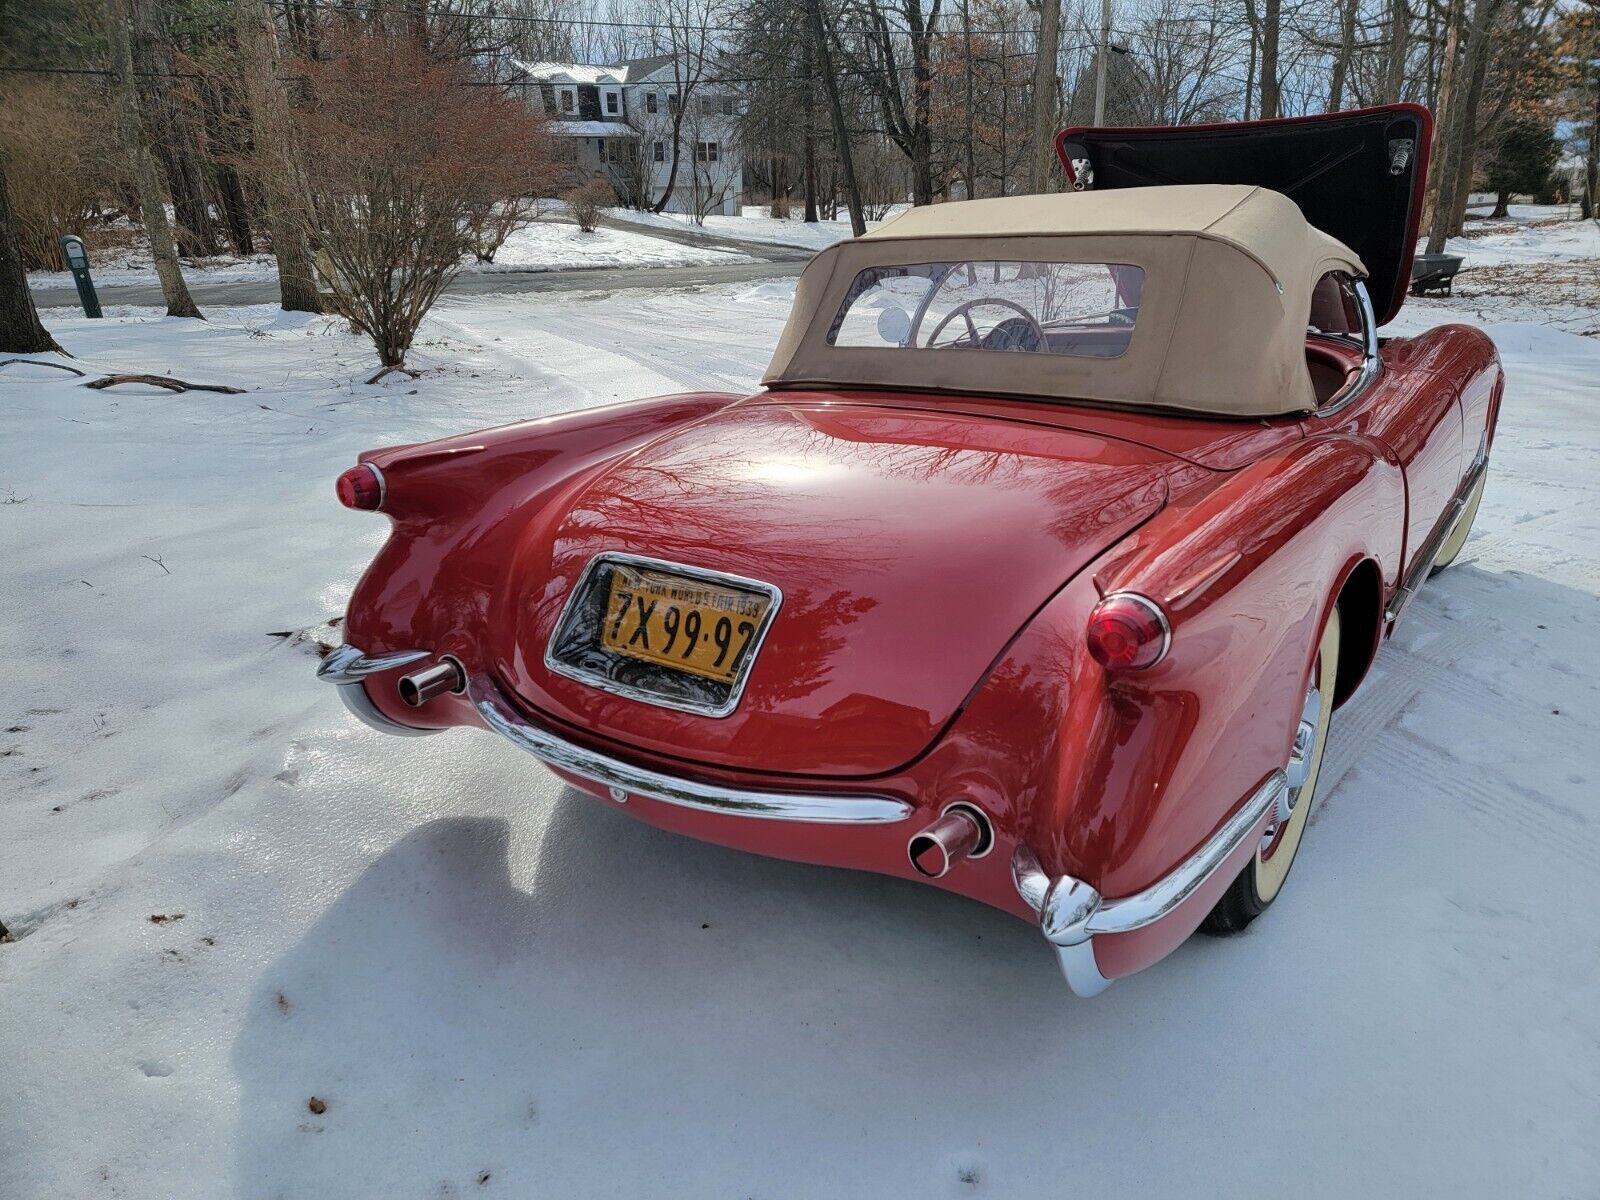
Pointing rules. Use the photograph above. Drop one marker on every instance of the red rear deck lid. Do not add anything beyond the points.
(1356, 175)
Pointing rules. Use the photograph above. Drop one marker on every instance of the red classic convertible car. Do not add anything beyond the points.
(1037, 567)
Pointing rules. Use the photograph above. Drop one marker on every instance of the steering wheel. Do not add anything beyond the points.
(1011, 339)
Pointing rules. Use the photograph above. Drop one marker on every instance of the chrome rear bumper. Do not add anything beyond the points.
(349, 667)
(623, 780)
(1071, 912)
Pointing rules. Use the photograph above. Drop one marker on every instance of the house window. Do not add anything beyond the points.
(672, 103)
(611, 103)
(705, 152)
(660, 152)
(569, 100)
(727, 106)
(705, 106)
(651, 100)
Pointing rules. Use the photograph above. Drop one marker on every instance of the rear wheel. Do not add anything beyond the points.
(1458, 535)
(1262, 879)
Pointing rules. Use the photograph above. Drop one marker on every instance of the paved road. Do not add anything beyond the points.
(265, 291)
(774, 262)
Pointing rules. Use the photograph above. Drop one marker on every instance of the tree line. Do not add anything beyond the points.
(370, 145)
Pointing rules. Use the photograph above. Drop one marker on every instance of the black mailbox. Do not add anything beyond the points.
(77, 256)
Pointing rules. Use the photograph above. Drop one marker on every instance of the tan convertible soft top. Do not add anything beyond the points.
(1221, 326)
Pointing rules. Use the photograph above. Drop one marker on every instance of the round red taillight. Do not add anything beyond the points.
(1128, 632)
(360, 487)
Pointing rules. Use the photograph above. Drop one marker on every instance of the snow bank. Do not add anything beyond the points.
(754, 225)
(557, 246)
(491, 985)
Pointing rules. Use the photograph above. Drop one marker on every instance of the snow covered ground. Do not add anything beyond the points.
(1538, 265)
(546, 245)
(264, 951)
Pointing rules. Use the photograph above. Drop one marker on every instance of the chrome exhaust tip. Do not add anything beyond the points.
(962, 831)
(446, 675)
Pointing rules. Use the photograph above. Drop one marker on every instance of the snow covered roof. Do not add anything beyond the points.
(611, 129)
(551, 72)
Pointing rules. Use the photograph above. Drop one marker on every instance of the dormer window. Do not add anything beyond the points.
(568, 99)
(613, 104)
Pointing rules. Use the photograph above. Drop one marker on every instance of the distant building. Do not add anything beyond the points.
(620, 119)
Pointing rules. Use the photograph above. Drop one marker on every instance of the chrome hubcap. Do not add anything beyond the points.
(1299, 768)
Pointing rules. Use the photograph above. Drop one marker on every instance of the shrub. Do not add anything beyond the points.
(588, 201)
(58, 155)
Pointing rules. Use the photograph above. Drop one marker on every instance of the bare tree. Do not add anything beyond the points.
(152, 203)
(690, 42)
(892, 55)
(400, 150)
(822, 42)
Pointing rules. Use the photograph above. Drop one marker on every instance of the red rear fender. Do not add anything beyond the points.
(1149, 762)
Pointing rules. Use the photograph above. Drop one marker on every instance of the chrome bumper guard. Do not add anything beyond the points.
(1071, 912)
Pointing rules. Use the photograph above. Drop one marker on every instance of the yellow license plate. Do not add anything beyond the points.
(701, 628)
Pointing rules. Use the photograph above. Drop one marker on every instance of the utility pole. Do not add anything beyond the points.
(1101, 61)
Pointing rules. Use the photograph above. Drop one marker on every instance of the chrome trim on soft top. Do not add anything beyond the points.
(1071, 912)
(1371, 359)
(824, 808)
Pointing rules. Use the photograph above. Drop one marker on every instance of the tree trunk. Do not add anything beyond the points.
(20, 329)
(125, 99)
(235, 211)
(841, 135)
(1443, 114)
(1347, 49)
(1502, 205)
(1042, 136)
(275, 165)
(922, 110)
(169, 129)
(297, 280)
(1591, 161)
(1466, 139)
(1254, 23)
(1270, 21)
(809, 136)
(1399, 48)
(971, 163)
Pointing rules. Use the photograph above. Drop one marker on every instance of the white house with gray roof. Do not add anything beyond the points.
(621, 117)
